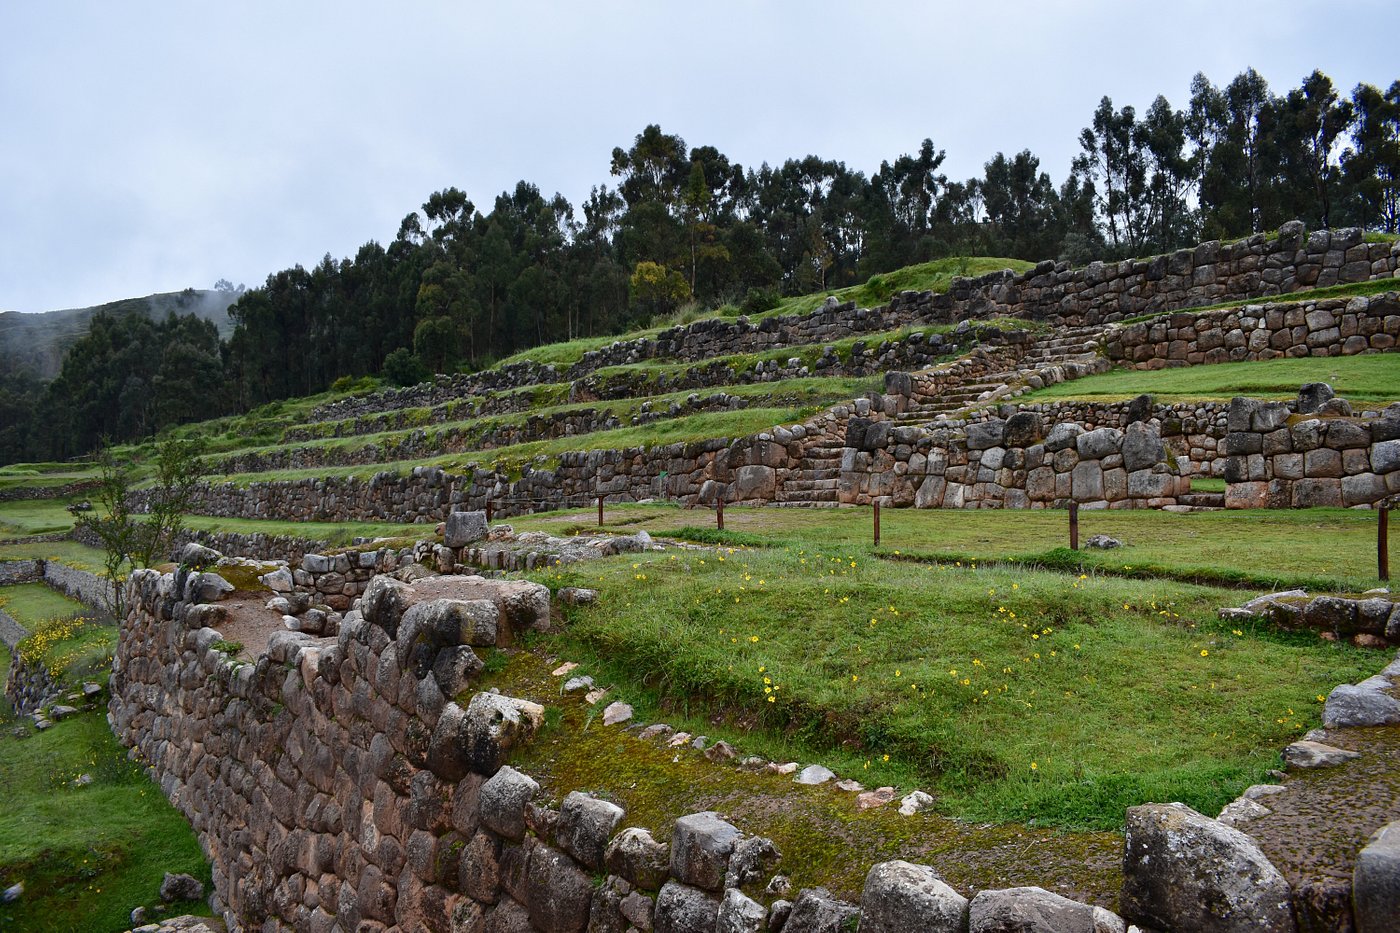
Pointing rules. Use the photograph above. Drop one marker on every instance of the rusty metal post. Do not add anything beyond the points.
(1383, 545)
(1074, 526)
(719, 513)
(600, 511)
(488, 510)
(877, 522)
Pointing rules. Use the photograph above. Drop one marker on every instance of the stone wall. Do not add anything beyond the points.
(1325, 327)
(11, 632)
(359, 783)
(20, 571)
(1278, 458)
(48, 492)
(29, 687)
(87, 588)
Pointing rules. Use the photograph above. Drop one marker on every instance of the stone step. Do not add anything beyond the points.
(1204, 499)
(1187, 509)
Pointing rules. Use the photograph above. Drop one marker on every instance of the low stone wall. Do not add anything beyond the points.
(1279, 459)
(11, 632)
(1015, 463)
(48, 492)
(29, 686)
(87, 588)
(21, 571)
(1326, 327)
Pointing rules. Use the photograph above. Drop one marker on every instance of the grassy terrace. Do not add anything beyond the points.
(22, 517)
(75, 555)
(1010, 693)
(808, 392)
(1370, 378)
(934, 276)
(512, 458)
(1330, 549)
(86, 854)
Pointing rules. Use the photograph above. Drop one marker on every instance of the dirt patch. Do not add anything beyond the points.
(1323, 820)
(249, 622)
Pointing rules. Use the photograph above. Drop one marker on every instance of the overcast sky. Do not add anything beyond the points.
(152, 146)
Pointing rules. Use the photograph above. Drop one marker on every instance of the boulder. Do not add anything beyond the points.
(1316, 755)
(985, 435)
(383, 602)
(700, 848)
(503, 798)
(480, 738)
(559, 892)
(683, 909)
(634, 855)
(1023, 429)
(585, 824)
(816, 910)
(1376, 882)
(196, 556)
(814, 774)
(1185, 871)
(1062, 436)
(739, 913)
(1142, 448)
(1364, 704)
(1313, 396)
(1028, 910)
(753, 482)
(181, 887)
(900, 897)
(463, 528)
(1099, 443)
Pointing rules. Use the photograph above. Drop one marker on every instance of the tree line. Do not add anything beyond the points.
(462, 285)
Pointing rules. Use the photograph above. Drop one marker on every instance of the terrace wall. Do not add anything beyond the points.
(1099, 293)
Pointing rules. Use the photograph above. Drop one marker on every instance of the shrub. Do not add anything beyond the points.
(759, 300)
(402, 368)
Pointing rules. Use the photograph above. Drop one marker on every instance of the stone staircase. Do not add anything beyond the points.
(1074, 351)
(815, 483)
(1198, 502)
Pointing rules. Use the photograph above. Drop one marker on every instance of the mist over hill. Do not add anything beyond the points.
(36, 343)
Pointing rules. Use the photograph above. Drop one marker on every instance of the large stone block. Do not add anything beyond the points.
(1376, 882)
(681, 908)
(1185, 871)
(463, 528)
(701, 844)
(753, 482)
(585, 824)
(480, 738)
(900, 897)
(634, 855)
(1099, 443)
(1028, 910)
(503, 798)
(559, 892)
(816, 910)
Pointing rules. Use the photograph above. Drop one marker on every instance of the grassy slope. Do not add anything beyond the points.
(20, 517)
(33, 603)
(1367, 378)
(930, 276)
(86, 855)
(1012, 693)
(76, 555)
(1316, 546)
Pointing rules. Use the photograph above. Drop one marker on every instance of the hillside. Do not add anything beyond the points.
(36, 343)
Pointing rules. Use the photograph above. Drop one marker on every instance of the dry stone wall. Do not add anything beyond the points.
(1279, 458)
(1325, 327)
(358, 783)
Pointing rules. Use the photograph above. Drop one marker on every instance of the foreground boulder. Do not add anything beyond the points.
(1376, 882)
(900, 897)
(1185, 871)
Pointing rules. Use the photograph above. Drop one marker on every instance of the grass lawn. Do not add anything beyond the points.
(1372, 378)
(703, 426)
(1323, 548)
(20, 517)
(1011, 693)
(75, 555)
(33, 603)
(86, 854)
(334, 534)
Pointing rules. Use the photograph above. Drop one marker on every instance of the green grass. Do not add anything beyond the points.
(1324, 548)
(78, 556)
(335, 534)
(696, 427)
(1012, 693)
(929, 276)
(19, 476)
(1369, 378)
(33, 603)
(20, 517)
(1208, 484)
(86, 855)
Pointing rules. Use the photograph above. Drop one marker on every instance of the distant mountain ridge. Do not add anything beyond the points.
(36, 343)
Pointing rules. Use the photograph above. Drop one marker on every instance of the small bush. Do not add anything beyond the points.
(759, 300)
